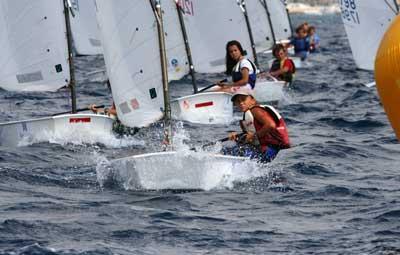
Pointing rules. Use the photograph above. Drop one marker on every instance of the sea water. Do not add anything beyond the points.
(337, 190)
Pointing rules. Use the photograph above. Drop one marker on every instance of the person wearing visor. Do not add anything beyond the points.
(264, 130)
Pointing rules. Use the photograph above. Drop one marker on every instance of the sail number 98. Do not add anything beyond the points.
(349, 11)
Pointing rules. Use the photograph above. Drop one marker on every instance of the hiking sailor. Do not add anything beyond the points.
(265, 131)
(118, 127)
(111, 112)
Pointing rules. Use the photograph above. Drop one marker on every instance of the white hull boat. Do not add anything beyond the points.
(204, 108)
(264, 91)
(178, 170)
(84, 127)
(298, 63)
(269, 91)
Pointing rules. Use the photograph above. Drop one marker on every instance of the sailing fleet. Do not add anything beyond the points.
(147, 44)
(192, 45)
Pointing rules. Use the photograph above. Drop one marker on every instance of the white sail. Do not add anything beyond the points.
(131, 51)
(178, 63)
(33, 45)
(210, 25)
(85, 31)
(365, 22)
(260, 26)
(280, 19)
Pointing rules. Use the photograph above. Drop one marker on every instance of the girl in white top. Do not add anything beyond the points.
(243, 71)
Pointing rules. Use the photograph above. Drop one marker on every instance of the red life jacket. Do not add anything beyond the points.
(279, 64)
(278, 137)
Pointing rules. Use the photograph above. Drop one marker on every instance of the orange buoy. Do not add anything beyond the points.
(387, 74)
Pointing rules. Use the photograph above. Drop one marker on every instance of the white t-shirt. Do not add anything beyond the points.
(244, 63)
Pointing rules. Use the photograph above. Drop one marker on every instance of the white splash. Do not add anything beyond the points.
(79, 138)
(179, 170)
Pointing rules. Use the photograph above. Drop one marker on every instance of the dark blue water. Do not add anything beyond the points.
(340, 194)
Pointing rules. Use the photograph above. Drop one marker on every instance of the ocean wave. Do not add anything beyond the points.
(311, 168)
(389, 215)
(354, 125)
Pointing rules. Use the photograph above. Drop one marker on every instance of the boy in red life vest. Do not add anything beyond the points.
(283, 67)
(265, 131)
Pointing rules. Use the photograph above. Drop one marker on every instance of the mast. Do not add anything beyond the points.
(397, 6)
(264, 3)
(163, 59)
(289, 19)
(187, 46)
(72, 81)
(242, 5)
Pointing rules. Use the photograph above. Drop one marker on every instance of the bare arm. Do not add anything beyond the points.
(107, 111)
(243, 82)
(112, 110)
(283, 70)
(245, 78)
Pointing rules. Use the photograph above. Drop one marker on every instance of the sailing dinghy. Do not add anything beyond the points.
(365, 22)
(37, 57)
(202, 108)
(145, 99)
(208, 43)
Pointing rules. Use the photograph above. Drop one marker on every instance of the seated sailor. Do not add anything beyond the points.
(118, 127)
(301, 43)
(243, 71)
(283, 67)
(111, 112)
(314, 39)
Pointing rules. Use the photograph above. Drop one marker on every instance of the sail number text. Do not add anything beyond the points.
(186, 6)
(349, 11)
